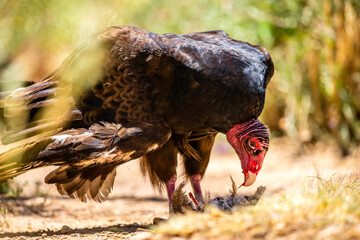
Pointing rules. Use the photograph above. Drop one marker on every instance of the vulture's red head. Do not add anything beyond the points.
(251, 142)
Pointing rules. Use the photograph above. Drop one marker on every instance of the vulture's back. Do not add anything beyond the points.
(197, 81)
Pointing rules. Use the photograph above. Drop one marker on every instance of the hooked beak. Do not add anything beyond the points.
(251, 167)
(249, 178)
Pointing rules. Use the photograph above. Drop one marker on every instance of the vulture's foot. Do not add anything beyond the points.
(181, 202)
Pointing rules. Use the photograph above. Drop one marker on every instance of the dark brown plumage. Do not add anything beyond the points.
(131, 93)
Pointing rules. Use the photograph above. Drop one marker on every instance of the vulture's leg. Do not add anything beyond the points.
(160, 165)
(170, 188)
(195, 184)
(195, 169)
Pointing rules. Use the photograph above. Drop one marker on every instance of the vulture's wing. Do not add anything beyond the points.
(87, 157)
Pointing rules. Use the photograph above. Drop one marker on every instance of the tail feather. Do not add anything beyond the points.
(40, 126)
(76, 176)
(20, 110)
(21, 159)
(93, 182)
(11, 137)
(32, 92)
(20, 106)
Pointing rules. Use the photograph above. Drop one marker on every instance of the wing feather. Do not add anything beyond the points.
(92, 156)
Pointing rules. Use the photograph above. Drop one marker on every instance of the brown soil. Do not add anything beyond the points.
(41, 213)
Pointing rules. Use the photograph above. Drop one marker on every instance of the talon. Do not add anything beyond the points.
(194, 200)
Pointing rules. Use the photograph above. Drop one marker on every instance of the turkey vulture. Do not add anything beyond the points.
(130, 93)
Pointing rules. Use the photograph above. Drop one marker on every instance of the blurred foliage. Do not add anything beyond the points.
(315, 45)
(11, 189)
(5, 187)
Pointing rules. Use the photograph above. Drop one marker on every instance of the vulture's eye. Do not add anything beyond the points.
(252, 144)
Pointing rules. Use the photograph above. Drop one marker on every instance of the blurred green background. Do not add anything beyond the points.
(313, 96)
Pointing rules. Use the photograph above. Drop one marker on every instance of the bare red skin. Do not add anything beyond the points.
(252, 155)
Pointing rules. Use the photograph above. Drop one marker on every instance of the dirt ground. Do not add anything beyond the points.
(41, 213)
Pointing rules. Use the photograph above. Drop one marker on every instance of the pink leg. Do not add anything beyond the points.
(170, 187)
(195, 183)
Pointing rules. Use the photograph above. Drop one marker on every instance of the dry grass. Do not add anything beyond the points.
(327, 210)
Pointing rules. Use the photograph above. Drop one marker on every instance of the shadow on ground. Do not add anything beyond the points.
(119, 229)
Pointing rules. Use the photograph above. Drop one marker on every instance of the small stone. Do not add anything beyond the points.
(158, 220)
(113, 229)
(142, 236)
(65, 229)
(21, 238)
